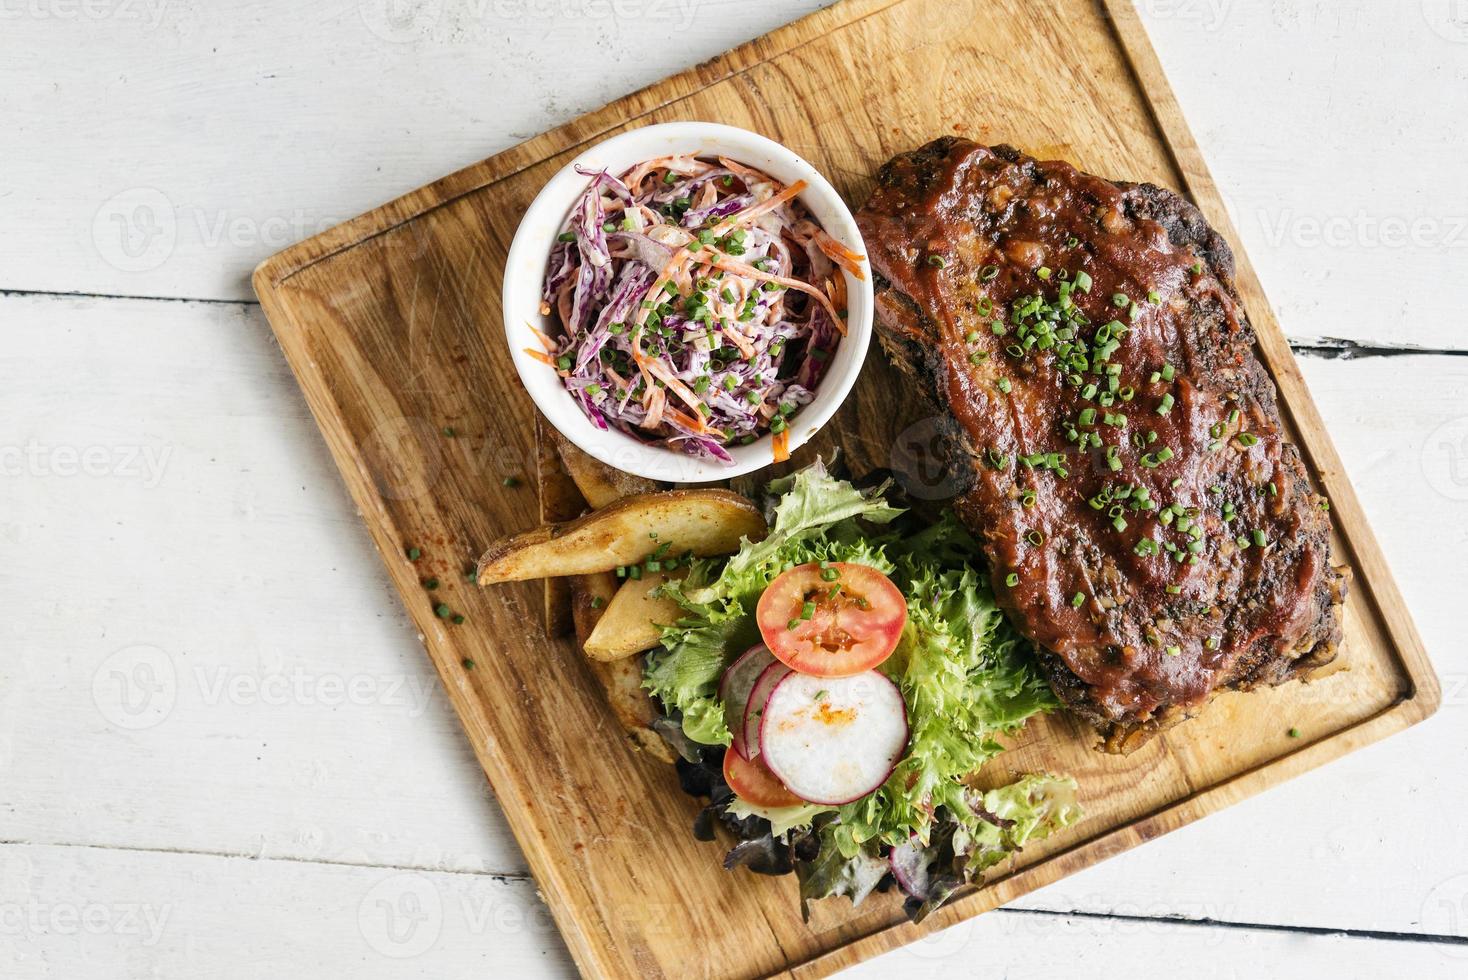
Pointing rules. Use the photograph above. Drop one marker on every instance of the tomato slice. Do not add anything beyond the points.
(752, 782)
(833, 621)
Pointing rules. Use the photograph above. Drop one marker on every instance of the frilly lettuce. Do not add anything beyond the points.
(966, 676)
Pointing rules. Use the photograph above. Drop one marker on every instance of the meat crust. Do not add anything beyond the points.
(1115, 437)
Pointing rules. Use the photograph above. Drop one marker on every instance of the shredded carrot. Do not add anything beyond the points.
(840, 254)
(545, 340)
(739, 268)
(748, 173)
(697, 425)
(764, 207)
(738, 339)
(780, 442)
(656, 402)
(664, 277)
(677, 387)
(541, 356)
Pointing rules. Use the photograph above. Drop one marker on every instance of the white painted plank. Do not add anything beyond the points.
(202, 649)
(166, 155)
(1335, 132)
(1018, 946)
(82, 914)
(71, 913)
(164, 147)
(244, 560)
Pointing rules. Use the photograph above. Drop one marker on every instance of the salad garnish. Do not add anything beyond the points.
(836, 735)
(698, 304)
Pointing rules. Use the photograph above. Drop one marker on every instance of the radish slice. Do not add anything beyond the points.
(909, 863)
(754, 711)
(832, 740)
(735, 686)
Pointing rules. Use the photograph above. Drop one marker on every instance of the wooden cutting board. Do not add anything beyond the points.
(392, 325)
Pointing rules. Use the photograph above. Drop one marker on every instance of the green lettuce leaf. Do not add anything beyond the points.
(832, 872)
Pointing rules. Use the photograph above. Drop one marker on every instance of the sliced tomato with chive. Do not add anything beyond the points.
(831, 619)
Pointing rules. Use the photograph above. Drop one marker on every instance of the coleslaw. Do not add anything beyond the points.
(698, 303)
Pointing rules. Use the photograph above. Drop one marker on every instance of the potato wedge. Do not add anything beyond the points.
(631, 621)
(599, 483)
(620, 680)
(705, 522)
(560, 500)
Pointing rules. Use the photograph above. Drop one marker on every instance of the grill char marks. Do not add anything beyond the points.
(1091, 521)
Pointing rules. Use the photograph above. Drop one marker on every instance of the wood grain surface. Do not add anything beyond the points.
(391, 323)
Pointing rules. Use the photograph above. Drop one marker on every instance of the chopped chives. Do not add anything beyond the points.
(1011, 580)
(1165, 406)
(1260, 538)
(1078, 599)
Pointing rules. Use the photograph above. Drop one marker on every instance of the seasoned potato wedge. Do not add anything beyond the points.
(599, 483)
(631, 621)
(705, 522)
(620, 680)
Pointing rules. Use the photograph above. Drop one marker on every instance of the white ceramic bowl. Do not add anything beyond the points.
(525, 270)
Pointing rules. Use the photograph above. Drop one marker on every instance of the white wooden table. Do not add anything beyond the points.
(222, 751)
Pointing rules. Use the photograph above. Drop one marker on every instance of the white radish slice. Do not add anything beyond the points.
(832, 740)
(734, 690)
(754, 711)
